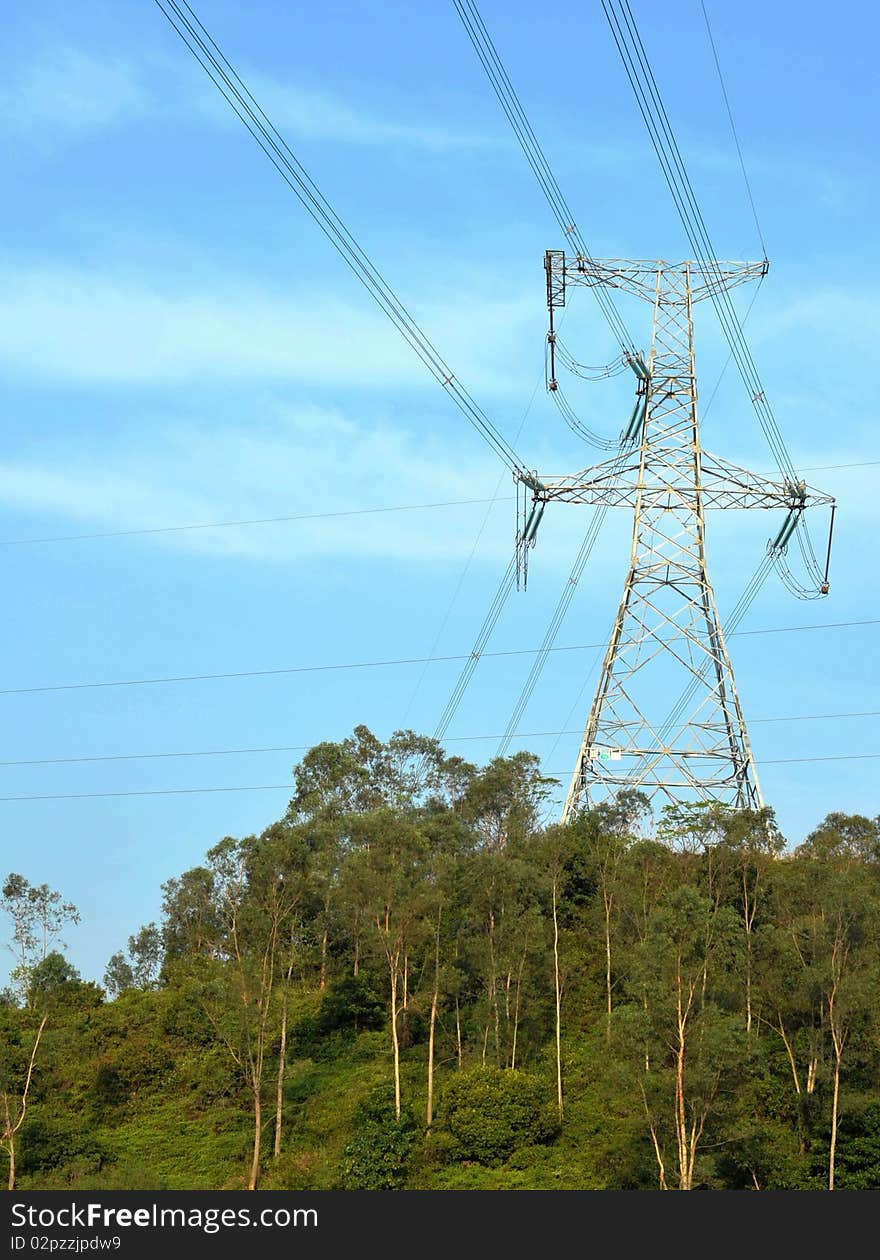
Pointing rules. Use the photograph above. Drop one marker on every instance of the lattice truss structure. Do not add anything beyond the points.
(666, 717)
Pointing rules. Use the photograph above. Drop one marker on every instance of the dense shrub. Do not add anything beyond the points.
(352, 1004)
(47, 1143)
(491, 1113)
(378, 1157)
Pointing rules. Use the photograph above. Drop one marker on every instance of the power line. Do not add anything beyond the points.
(327, 515)
(404, 660)
(316, 516)
(733, 129)
(864, 463)
(235, 92)
(262, 520)
(288, 787)
(556, 621)
(509, 101)
(624, 30)
(454, 739)
(82, 796)
(467, 564)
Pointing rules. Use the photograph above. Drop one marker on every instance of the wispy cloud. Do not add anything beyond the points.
(63, 92)
(283, 461)
(295, 460)
(87, 327)
(833, 314)
(313, 113)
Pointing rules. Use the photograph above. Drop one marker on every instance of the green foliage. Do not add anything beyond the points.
(378, 1155)
(710, 988)
(53, 980)
(491, 1112)
(118, 975)
(49, 1141)
(350, 1003)
(859, 1161)
(38, 916)
(348, 1006)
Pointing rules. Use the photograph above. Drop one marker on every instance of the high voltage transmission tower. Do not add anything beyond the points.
(667, 632)
(666, 654)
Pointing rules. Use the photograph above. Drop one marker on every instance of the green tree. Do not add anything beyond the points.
(504, 799)
(386, 876)
(601, 837)
(118, 974)
(39, 915)
(490, 1112)
(18, 1056)
(140, 970)
(681, 1028)
(842, 892)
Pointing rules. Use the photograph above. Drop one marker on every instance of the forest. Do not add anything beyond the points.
(412, 981)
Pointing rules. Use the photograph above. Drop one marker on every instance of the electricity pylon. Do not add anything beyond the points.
(667, 649)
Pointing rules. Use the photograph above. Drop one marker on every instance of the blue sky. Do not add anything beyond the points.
(179, 345)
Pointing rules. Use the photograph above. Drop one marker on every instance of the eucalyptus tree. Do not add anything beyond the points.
(602, 838)
(242, 927)
(39, 915)
(735, 852)
(501, 945)
(385, 875)
(682, 1043)
(840, 862)
(339, 783)
(19, 1047)
(504, 799)
(449, 842)
(554, 855)
(140, 969)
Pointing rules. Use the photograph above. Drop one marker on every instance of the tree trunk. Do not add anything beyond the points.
(680, 1116)
(607, 902)
(558, 998)
(748, 982)
(507, 1021)
(258, 1135)
(395, 1042)
(493, 992)
(323, 983)
(838, 1038)
(435, 995)
(519, 975)
(680, 1120)
(279, 1093)
(652, 1129)
(748, 919)
(10, 1126)
(833, 1150)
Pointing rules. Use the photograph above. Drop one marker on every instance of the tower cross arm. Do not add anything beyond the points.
(725, 485)
(639, 276)
(666, 479)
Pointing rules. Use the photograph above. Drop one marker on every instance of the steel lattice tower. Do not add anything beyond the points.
(666, 717)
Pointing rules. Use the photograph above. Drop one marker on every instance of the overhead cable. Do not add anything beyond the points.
(289, 787)
(537, 160)
(229, 83)
(380, 664)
